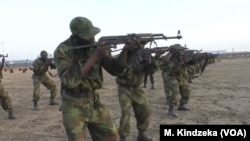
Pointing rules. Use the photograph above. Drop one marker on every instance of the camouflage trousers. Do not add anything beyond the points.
(165, 78)
(82, 113)
(177, 91)
(191, 70)
(133, 97)
(49, 84)
(5, 99)
(197, 68)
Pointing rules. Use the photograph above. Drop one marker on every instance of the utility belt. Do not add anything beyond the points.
(80, 94)
(82, 97)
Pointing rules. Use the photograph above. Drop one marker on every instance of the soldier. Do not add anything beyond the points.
(175, 83)
(4, 97)
(149, 68)
(80, 72)
(40, 67)
(130, 96)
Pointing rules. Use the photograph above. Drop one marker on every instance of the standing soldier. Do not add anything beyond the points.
(149, 68)
(175, 83)
(130, 96)
(4, 97)
(40, 67)
(80, 72)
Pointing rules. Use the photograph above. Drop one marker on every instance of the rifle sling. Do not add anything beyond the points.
(52, 74)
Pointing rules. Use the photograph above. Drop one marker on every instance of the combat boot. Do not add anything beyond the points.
(142, 136)
(11, 115)
(52, 102)
(171, 112)
(152, 87)
(35, 105)
(182, 107)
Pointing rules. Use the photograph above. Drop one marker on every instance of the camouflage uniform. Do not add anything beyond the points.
(40, 67)
(189, 75)
(175, 83)
(81, 107)
(131, 95)
(4, 97)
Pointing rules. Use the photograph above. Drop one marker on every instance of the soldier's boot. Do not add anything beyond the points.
(144, 86)
(35, 105)
(182, 107)
(11, 115)
(52, 102)
(142, 136)
(123, 139)
(171, 112)
(152, 86)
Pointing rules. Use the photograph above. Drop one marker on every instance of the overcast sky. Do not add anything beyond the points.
(29, 26)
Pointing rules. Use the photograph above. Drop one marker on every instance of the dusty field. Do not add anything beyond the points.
(220, 96)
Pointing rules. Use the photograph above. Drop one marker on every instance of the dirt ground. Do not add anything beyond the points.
(219, 96)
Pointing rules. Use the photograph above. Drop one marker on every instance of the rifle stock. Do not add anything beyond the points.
(1, 55)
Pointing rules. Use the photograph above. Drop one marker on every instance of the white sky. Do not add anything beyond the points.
(29, 26)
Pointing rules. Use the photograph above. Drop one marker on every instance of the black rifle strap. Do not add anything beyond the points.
(52, 74)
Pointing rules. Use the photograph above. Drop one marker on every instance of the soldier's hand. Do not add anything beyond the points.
(102, 51)
(131, 45)
(127, 47)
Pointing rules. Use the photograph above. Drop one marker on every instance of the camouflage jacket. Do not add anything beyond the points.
(40, 67)
(135, 70)
(69, 63)
(174, 69)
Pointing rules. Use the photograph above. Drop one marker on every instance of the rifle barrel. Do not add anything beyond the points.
(175, 37)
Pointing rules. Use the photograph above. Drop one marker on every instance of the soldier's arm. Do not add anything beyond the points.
(36, 65)
(116, 65)
(68, 71)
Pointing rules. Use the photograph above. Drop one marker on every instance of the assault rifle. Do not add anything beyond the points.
(50, 61)
(193, 55)
(207, 57)
(153, 50)
(193, 51)
(142, 54)
(134, 39)
(1, 55)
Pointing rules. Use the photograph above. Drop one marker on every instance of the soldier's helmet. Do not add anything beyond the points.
(43, 53)
(177, 48)
(83, 28)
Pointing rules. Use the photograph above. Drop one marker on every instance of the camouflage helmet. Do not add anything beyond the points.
(83, 27)
(177, 48)
(43, 54)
